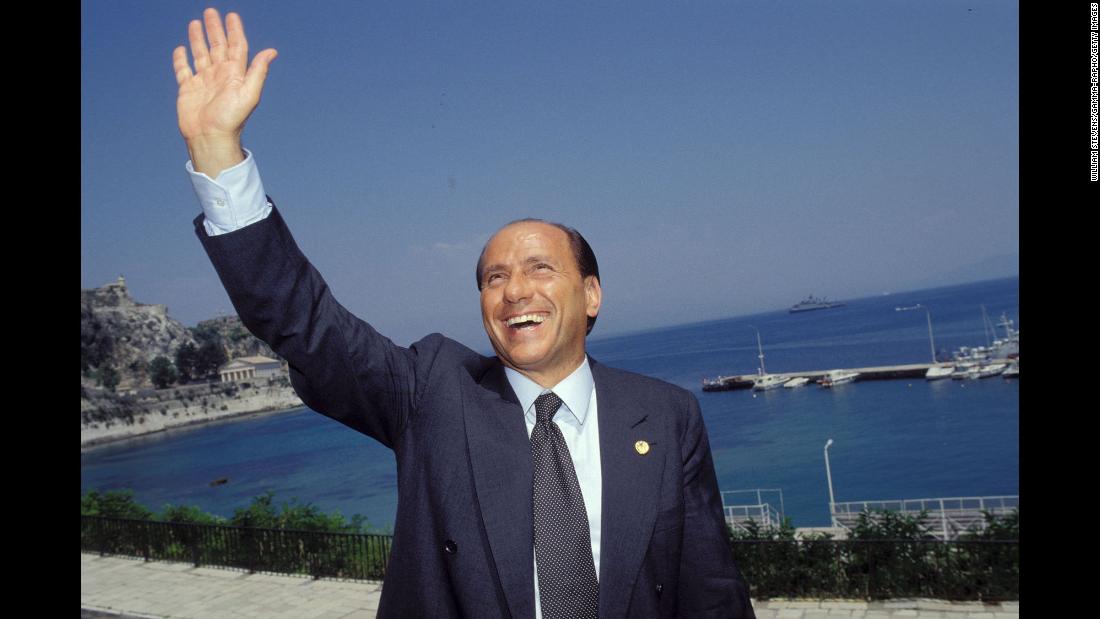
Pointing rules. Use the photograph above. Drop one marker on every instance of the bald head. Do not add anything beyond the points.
(583, 256)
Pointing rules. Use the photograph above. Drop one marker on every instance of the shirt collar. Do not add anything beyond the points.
(574, 390)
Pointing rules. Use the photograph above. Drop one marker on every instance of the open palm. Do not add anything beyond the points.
(217, 97)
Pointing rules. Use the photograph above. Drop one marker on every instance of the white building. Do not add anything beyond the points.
(246, 368)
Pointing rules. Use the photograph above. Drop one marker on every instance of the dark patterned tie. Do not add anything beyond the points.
(568, 587)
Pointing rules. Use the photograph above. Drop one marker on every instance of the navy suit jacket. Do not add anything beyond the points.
(463, 540)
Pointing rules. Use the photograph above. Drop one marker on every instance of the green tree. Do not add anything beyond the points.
(187, 514)
(186, 362)
(138, 369)
(211, 356)
(162, 372)
(262, 513)
(752, 530)
(996, 527)
(206, 333)
(113, 504)
(878, 525)
(108, 377)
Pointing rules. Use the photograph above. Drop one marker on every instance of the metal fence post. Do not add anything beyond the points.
(192, 538)
(943, 520)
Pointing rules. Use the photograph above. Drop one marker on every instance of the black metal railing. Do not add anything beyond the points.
(881, 569)
(869, 569)
(315, 553)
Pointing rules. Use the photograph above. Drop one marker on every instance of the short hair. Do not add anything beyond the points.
(582, 253)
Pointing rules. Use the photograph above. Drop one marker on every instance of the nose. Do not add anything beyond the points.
(517, 289)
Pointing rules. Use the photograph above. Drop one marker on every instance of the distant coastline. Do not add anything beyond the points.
(125, 432)
(108, 418)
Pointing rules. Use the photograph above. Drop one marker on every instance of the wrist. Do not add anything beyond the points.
(211, 155)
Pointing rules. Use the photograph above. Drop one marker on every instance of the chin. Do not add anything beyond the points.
(526, 361)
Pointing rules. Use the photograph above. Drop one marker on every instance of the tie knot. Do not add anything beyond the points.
(545, 406)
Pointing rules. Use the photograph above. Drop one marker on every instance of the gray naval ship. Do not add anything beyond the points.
(811, 303)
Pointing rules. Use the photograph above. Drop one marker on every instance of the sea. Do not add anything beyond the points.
(892, 439)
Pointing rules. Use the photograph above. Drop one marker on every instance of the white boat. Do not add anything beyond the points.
(1009, 347)
(796, 382)
(1012, 371)
(763, 380)
(768, 381)
(965, 370)
(838, 377)
(993, 369)
(937, 372)
(971, 354)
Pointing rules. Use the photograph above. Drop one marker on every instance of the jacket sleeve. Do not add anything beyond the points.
(710, 585)
(339, 365)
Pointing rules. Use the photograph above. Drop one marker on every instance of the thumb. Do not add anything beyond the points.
(257, 72)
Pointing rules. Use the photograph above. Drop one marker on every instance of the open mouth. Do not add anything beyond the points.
(525, 322)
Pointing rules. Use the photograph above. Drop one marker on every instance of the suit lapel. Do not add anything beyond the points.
(631, 485)
(500, 457)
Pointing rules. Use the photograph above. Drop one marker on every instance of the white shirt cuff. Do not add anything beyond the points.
(232, 201)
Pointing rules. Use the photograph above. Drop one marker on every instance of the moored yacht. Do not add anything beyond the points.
(965, 370)
(796, 382)
(937, 372)
(768, 381)
(763, 380)
(993, 369)
(837, 377)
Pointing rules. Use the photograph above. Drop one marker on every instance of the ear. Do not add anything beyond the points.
(593, 295)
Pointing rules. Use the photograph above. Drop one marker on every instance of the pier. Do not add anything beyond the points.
(885, 372)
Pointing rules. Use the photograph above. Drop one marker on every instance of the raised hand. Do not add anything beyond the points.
(217, 98)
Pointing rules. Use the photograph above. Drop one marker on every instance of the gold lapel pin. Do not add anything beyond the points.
(641, 447)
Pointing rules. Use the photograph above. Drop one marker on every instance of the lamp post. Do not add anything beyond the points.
(829, 476)
(931, 340)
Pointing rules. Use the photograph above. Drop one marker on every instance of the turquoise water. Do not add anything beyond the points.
(896, 439)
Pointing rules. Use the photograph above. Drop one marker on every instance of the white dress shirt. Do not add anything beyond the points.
(236, 199)
(577, 420)
(233, 200)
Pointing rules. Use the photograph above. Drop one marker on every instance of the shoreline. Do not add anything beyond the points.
(100, 441)
(113, 418)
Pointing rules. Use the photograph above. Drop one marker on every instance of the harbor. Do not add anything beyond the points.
(887, 372)
(999, 357)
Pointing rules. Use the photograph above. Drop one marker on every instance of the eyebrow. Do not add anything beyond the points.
(528, 260)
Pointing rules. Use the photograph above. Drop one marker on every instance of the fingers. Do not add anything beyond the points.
(180, 66)
(238, 43)
(215, 34)
(198, 45)
(257, 73)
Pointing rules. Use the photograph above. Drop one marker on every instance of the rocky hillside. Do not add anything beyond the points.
(233, 336)
(118, 333)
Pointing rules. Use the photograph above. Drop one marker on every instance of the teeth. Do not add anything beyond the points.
(537, 318)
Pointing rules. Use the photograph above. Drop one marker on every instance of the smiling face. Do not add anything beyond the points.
(534, 303)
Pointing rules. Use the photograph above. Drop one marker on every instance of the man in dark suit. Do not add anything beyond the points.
(536, 483)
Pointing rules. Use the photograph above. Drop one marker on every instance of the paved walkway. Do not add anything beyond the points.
(120, 587)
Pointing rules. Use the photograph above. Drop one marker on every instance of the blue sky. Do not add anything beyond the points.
(722, 158)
